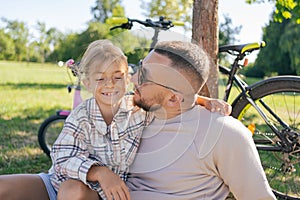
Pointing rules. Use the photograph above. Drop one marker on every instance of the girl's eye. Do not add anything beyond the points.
(118, 77)
(100, 79)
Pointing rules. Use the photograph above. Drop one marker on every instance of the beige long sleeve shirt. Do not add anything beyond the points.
(197, 155)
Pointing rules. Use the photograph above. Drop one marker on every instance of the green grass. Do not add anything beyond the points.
(29, 93)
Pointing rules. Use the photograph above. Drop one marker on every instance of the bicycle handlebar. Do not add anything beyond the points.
(127, 23)
(73, 66)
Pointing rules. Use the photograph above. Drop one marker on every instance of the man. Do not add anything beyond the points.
(188, 152)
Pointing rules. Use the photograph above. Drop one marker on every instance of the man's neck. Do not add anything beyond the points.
(170, 112)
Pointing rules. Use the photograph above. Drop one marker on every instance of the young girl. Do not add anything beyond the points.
(100, 137)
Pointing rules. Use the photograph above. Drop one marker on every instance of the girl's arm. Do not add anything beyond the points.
(213, 105)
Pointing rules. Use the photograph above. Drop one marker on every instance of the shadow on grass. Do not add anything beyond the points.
(22, 130)
(24, 160)
(19, 148)
(18, 132)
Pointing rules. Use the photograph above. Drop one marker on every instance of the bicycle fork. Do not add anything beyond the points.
(77, 99)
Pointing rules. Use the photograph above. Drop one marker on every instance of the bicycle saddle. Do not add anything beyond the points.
(242, 48)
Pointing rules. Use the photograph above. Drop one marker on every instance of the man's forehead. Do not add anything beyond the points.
(157, 65)
(154, 57)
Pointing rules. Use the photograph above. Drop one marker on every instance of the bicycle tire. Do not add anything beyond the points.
(49, 131)
(282, 168)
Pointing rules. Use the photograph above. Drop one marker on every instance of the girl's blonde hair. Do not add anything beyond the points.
(100, 52)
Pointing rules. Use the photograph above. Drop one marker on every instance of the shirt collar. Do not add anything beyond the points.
(126, 107)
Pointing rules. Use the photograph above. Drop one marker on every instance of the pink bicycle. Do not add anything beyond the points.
(52, 126)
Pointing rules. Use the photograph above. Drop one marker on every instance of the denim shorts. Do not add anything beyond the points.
(50, 189)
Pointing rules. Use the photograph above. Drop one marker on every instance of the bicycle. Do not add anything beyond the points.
(275, 132)
(52, 126)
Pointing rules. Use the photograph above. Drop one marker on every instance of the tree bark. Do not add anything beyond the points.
(205, 34)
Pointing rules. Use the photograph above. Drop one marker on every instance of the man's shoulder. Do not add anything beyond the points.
(214, 128)
(230, 126)
(201, 113)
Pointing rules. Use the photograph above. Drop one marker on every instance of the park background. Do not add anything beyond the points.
(35, 35)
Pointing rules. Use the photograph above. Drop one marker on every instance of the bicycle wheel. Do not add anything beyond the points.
(49, 131)
(282, 95)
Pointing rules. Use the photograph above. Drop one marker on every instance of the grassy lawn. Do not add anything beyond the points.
(29, 93)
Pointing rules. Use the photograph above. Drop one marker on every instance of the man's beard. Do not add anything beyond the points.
(142, 104)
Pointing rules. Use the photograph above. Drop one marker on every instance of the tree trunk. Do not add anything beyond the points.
(205, 33)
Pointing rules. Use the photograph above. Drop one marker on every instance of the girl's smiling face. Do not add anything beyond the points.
(108, 82)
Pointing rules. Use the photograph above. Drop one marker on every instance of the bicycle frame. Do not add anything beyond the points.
(246, 94)
(77, 99)
(51, 126)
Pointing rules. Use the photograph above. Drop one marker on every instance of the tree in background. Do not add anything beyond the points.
(284, 9)
(46, 40)
(103, 9)
(205, 33)
(18, 43)
(282, 53)
(19, 33)
(65, 48)
(290, 44)
(7, 46)
(179, 10)
(95, 31)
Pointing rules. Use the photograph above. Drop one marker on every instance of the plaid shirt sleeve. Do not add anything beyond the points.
(70, 156)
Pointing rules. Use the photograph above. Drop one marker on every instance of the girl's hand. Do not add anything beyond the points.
(214, 105)
(112, 185)
(217, 105)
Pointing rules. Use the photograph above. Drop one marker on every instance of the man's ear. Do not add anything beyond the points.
(175, 99)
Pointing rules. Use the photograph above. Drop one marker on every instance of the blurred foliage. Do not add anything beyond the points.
(103, 9)
(18, 43)
(284, 9)
(179, 10)
(282, 52)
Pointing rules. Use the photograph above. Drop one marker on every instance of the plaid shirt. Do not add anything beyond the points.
(86, 140)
